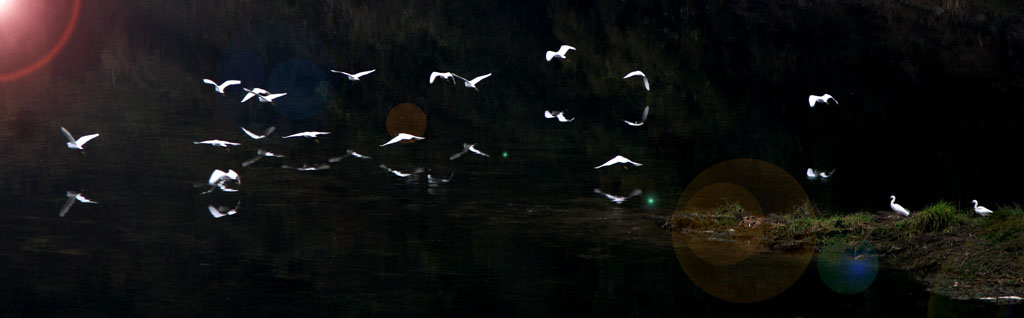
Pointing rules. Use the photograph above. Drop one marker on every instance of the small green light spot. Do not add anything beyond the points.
(504, 154)
(650, 200)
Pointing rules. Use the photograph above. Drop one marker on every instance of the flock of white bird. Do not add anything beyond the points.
(226, 180)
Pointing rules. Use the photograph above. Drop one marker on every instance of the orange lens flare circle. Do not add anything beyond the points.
(76, 7)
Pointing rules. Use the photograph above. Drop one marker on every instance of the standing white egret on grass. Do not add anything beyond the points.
(980, 210)
(897, 208)
(618, 160)
(80, 142)
(356, 76)
(220, 88)
(472, 83)
(255, 136)
(647, 85)
(643, 118)
(402, 137)
(560, 54)
(443, 75)
(72, 197)
(814, 99)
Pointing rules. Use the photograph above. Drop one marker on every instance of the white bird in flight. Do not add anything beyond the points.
(222, 211)
(80, 142)
(220, 88)
(400, 173)
(216, 143)
(619, 199)
(980, 210)
(401, 137)
(826, 175)
(264, 96)
(643, 118)
(260, 153)
(560, 54)
(219, 179)
(255, 91)
(560, 115)
(618, 160)
(472, 83)
(348, 153)
(444, 75)
(356, 76)
(647, 85)
(467, 148)
(307, 134)
(72, 197)
(255, 136)
(897, 208)
(811, 174)
(814, 99)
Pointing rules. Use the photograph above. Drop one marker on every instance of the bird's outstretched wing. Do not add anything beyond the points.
(479, 78)
(647, 109)
(250, 134)
(84, 139)
(209, 81)
(67, 134)
(67, 204)
(360, 74)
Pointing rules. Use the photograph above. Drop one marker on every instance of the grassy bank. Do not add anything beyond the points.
(956, 252)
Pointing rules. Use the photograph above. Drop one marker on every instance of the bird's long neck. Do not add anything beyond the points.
(893, 201)
(975, 204)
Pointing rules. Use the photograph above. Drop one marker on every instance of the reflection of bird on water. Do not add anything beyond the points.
(222, 211)
(401, 173)
(980, 210)
(72, 197)
(348, 153)
(643, 118)
(898, 208)
(619, 199)
(307, 167)
(467, 148)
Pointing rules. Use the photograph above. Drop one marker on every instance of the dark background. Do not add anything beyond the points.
(928, 93)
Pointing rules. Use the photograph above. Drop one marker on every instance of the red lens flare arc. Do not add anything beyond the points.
(42, 61)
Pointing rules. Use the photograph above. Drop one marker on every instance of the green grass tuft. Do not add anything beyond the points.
(940, 217)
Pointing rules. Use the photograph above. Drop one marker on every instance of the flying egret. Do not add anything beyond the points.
(348, 153)
(255, 136)
(80, 142)
(444, 75)
(222, 211)
(619, 199)
(561, 117)
(307, 134)
(216, 143)
(825, 175)
(980, 210)
(72, 197)
(219, 179)
(401, 137)
(356, 76)
(647, 85)
(618, 160)
(560, 54)
(255, 91)
(814, 99)
(472, 83)
(812, 174)
(467, 148)
(643, 118)
(220, 88)
(898, 208)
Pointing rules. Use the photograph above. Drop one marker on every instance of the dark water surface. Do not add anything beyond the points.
(929, 96)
